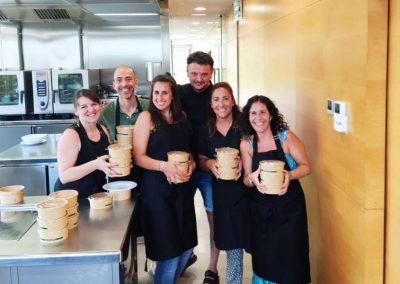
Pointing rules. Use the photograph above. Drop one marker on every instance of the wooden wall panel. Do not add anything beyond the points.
(392, 250)
(251, 65)
(312, 51)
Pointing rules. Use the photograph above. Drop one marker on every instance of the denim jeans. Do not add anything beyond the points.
(202, 180)
(168, 271)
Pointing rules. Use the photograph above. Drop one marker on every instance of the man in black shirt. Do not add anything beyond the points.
(195, 99)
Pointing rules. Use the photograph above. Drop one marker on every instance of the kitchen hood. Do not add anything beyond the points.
(81, 11)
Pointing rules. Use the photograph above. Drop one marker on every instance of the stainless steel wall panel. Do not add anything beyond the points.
(108, 46)
(54, 45)
(9, 57)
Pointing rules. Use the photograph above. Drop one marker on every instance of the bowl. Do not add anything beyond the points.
(101, 200)
(72, 210)
(52, 208)
(11, 194)
(71, 195)
(52, 224)
(73, 221)
(53, 237)
(120, 190)
(33, 138)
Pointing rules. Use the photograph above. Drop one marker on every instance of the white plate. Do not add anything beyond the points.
(33, 138)
(23, 143)
(119, 185)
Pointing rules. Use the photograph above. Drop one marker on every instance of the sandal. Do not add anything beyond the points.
(210, 277)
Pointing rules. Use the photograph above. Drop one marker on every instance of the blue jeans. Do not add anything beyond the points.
(202, 180)
(168, 271)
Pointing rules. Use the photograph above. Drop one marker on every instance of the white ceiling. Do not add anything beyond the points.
(182, 25)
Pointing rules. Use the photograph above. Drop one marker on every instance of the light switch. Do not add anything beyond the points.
(340, 120)
(329, 106)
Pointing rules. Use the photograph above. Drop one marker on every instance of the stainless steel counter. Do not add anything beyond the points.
(94, 246)
(40, 153)
(37, 122)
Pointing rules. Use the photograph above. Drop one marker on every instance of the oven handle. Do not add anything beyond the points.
(22, 96)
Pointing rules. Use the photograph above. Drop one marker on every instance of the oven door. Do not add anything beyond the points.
(65, 84)
(12, 93)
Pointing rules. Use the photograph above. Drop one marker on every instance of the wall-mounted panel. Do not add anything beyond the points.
(108, 46)
(9, 58)
(54, 45)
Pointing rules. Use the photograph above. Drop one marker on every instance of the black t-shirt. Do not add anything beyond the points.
(196, 106)
(207, 144)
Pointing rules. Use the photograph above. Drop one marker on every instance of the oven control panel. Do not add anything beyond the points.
(41, 92)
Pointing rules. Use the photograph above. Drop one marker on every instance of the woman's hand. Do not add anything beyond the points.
(103, 164)
(286, 181)
(212, 166)
(174, 173)
(253, 178)
(239, 169)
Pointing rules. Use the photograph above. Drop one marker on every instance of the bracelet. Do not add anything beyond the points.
(161, 166)
(250, 181)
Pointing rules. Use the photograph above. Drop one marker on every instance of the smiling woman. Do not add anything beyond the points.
(82, 158)
(167, 212)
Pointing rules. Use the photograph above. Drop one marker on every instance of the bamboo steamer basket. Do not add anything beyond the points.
(182, 160)
(127, 161)
(52, 224)
(124, 139)
(72, 210)
(119, 153)
(271, 175)
(122, 171)
(228, 162)
(11, 194)
(70, 195)
(125, 130)
(101, 200)
(53, 237)
(52, 208)
(73, 221)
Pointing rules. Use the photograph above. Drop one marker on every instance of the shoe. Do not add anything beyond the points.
(192, 259)
(210, 277)
(150, 267)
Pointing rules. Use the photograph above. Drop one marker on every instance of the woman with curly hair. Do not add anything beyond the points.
(279, 234)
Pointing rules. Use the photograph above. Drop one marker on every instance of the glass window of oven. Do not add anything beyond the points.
(9, 90)
(68, 85)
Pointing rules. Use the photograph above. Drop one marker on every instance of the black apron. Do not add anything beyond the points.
(279, 229)
(167, 211)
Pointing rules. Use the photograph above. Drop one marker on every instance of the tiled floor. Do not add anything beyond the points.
(195, 273)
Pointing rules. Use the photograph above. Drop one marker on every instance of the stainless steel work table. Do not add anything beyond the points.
(91, 254)
(34, 154)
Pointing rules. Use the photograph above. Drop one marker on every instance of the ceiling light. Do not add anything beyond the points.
(198, 15)
(200, 8)
(126, 14)
(195, 23)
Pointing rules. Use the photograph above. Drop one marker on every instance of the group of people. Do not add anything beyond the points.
(198, 118)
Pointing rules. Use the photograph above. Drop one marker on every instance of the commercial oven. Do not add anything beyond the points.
(15, 92)
(67, 82)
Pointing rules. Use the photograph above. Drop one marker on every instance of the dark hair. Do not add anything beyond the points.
(175, 108)
(91, 95)
(277, 122)
(200, 58)
(212, 118)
